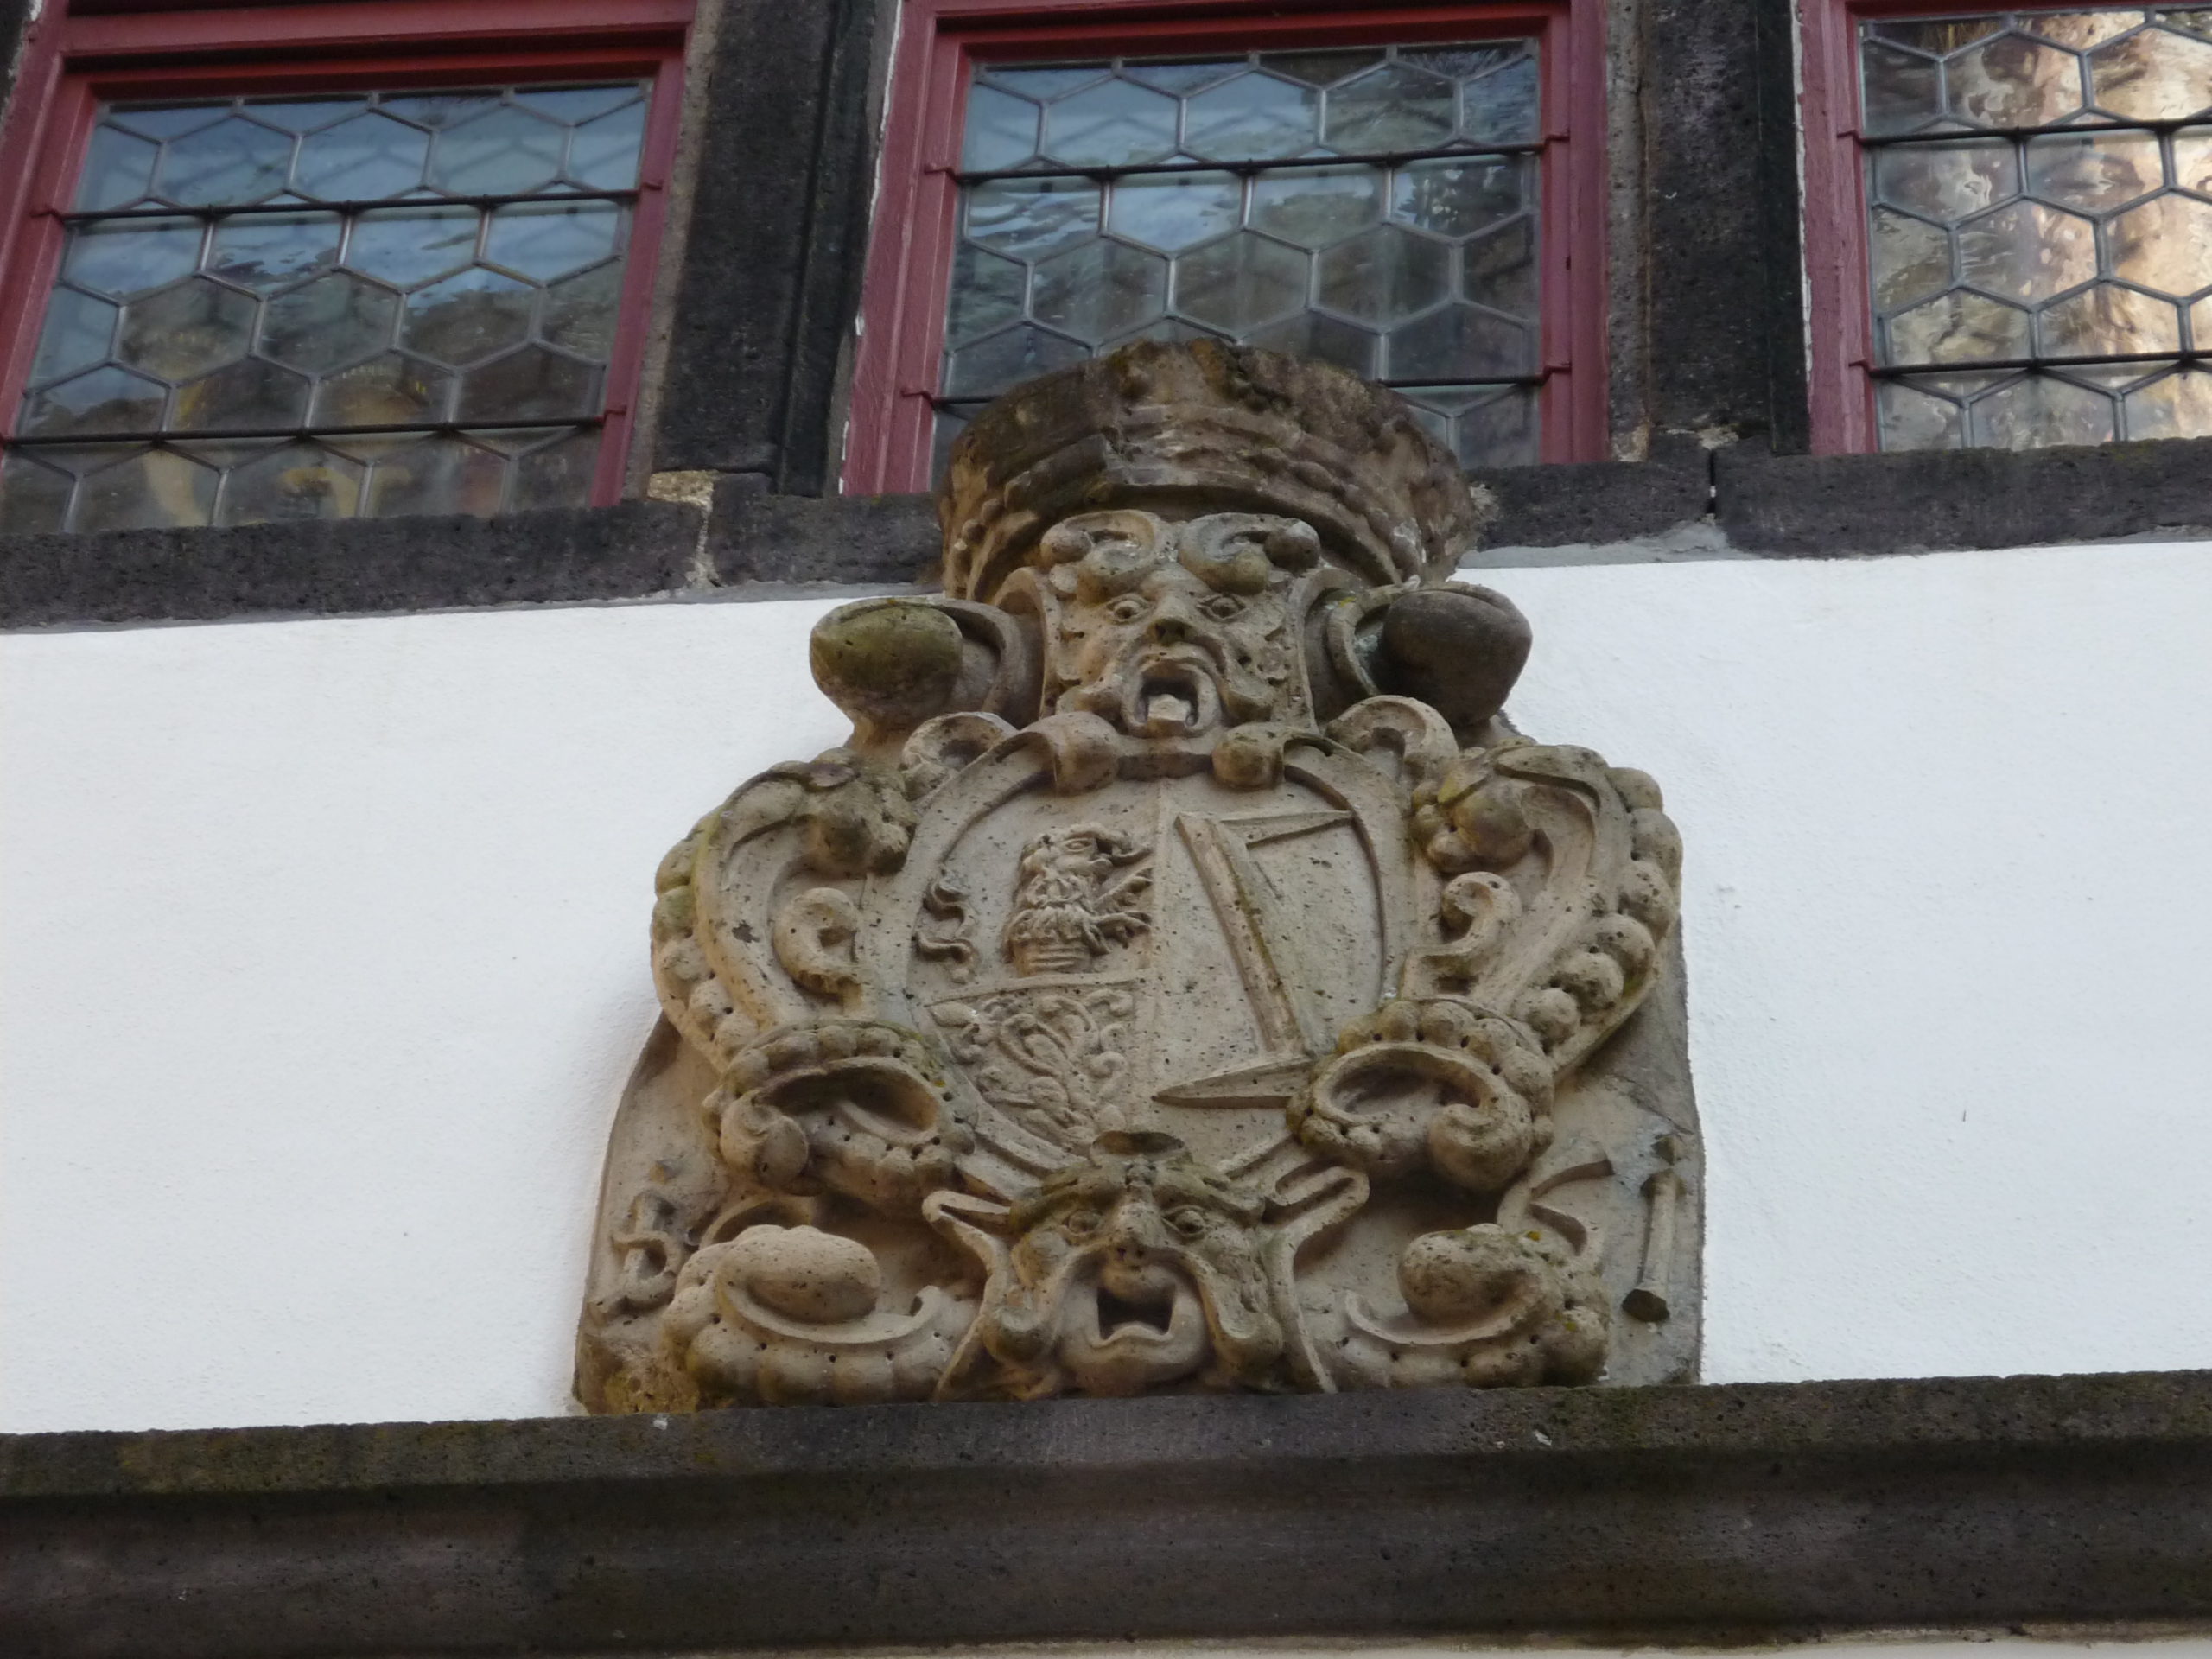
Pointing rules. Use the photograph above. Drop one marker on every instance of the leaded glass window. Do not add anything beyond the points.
(1375, 208)
(323, 306)
(2039, 188)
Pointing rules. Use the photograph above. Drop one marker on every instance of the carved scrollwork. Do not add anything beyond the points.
(852, 1107)
(1436, 1084)
(794, 1316)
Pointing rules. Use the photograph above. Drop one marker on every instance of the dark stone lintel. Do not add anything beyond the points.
(334, 567)
(1677, 1514)
(1789, 506)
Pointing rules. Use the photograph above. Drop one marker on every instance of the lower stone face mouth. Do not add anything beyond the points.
(1153, 1313)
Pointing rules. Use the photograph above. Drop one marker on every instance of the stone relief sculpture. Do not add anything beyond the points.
(1184, 977)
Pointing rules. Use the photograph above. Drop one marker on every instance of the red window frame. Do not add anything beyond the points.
(73, 62)
(910, 254)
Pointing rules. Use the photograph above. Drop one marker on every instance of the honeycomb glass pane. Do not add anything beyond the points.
(1027, 219)
(1913, 418)
(507, 152)
(604, 153)
(1461, 342)
(536, 383)
(121, 257)
(578, 103)
(1004, 360)
(1948, 181)
(2177, 405)
(305, 114)
(368, 156)
(1001, 130)
(546, 240)
(2093, 173)
(2079, 29)
(118, 167)
(1174, 211)
(1252, 117)
(296, 481)
(393, 390)
(185, 331)
(2108, 321)
(2041, 410)
(468, 318)
(434, 475)
(1331, 339)
(1901, 92)
(405, 247)
(438, 110)
(2155, 74)
(1500, 108)
(271, 251)
(1099, 290)
(34, 495)
(555, 474)
(1396, 107)
(2010, 80)
(1456, 197)
(1117, 228)
(1499, 269)
(1241, 284)
(79, 329)
(328, 323)
(98, 401)
(578, 313)
(252, 396)
(1110, 124)
(1386, 276)
(234, 162)
(149, 489)
(1316, 205)
(294, 309)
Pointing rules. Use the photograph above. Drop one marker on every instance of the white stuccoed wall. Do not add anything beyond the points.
(322, 965)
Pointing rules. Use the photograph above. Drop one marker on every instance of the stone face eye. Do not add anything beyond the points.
(1223, 607)
(1128, 608)
(1189, 1220)
(1080, 1224)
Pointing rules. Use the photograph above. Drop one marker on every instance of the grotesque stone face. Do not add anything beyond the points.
(1169, 630)
(1137, 1267)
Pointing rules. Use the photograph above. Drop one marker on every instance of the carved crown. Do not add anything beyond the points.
(1210, 426)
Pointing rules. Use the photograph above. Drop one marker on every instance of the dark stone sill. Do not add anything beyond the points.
(1680, 1515)
(1750, 502)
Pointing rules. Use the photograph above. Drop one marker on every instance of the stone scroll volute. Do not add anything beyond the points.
(1184, 978)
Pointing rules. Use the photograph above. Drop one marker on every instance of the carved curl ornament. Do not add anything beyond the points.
(1184, 978)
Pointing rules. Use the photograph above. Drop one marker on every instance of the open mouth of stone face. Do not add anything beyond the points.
(1149, 1312)
(1171, 700)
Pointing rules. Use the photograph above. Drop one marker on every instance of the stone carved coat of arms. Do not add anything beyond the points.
(1184, 977)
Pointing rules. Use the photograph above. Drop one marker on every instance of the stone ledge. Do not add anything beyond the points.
(1792, 506)
(1929, 501)
(333, 567)
(1600, 501)
(1680, 1515)
(871, 539)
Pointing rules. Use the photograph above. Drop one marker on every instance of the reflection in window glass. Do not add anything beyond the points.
(2039, 189)
(321, 307)
(1375, 209)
